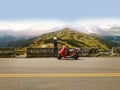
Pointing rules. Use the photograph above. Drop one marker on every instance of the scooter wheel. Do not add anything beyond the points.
(59, 57)
(76, 57)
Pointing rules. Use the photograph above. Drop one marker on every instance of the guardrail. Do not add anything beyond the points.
(115, 51)
(48, 52)
(7, 52)
(39, 52)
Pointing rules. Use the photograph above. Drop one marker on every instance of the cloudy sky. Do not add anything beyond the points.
(89, 16)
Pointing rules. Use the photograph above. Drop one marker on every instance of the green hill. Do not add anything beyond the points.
(71, 38)
(68, 37)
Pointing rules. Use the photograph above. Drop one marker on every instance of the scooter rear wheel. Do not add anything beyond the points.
(59, 57)
(76, 57)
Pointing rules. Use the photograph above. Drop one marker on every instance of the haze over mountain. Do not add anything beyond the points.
(104, 27)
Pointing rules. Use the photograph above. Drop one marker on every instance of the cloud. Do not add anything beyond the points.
(31, 27)
(98, 26)
(18, 26)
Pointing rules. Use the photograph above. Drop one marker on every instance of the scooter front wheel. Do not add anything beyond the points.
(76, 57)
(59, 57)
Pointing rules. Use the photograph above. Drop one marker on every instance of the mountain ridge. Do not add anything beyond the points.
(70, 37)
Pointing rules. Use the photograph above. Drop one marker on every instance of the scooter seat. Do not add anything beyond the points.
(71, 50)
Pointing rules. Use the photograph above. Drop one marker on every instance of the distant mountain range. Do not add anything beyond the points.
(66, 36)
(12, 40)
(115, 39)
(9, 36)
(6, 39)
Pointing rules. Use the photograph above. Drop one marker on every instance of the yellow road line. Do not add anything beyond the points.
(62, 75)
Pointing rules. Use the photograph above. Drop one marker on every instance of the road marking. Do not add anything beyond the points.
(62, 75)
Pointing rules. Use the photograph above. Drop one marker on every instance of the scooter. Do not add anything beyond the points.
(65, 52)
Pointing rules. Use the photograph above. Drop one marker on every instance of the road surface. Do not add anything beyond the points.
(87, 73)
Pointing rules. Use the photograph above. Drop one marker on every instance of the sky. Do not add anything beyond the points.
(58, 9)
(48, 14)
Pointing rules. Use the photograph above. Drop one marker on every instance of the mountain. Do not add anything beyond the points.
(115, 39)
(12, 41)
(5, 39)
(69, 37)
(9, 38)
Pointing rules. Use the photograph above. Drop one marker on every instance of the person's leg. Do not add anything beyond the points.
(56, 52)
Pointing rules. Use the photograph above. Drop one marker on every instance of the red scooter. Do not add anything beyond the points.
(65, 52)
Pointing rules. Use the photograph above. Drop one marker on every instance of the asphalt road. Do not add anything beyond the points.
(46, 66)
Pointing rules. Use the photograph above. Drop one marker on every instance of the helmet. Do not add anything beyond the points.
(55, 38)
